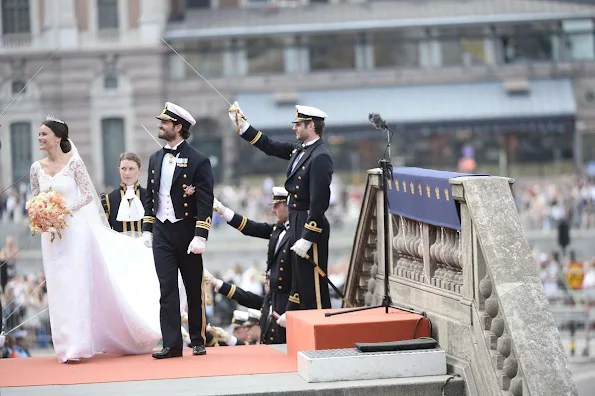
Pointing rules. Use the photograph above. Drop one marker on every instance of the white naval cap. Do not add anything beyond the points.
(173, 112)
(279, 194)
(243, 318)
(254, 313)
(308, 113)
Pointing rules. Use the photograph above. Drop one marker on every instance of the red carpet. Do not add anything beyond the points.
(240, 360)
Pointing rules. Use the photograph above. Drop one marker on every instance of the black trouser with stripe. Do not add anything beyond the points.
(170, 246)
(313, 290)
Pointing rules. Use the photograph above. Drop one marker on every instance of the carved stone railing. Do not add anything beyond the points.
(479, 287)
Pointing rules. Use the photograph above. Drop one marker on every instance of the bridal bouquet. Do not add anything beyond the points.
(47, 213)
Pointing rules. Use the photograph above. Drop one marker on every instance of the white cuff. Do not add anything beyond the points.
(227, 214)
(218, 284)
(244, 128)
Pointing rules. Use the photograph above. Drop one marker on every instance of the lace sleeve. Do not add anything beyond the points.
(34, 178)
(84, 184)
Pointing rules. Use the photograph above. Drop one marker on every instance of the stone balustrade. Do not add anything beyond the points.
(478, 285)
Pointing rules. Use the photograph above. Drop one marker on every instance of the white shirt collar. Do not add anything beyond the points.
(311, 142)
(175, 147)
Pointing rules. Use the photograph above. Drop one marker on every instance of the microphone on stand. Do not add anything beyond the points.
(377, 121)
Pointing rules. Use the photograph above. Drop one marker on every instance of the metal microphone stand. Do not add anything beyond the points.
(387, 177)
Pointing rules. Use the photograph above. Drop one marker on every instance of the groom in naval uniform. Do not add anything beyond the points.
(177, 220)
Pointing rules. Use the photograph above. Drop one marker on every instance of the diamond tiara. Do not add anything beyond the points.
(52, 118)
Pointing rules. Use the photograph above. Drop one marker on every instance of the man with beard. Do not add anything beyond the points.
(309, 175)
(176, 225)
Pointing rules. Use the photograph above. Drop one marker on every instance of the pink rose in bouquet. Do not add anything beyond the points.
(47, 213)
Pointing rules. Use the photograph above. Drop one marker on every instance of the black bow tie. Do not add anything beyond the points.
(173, 152)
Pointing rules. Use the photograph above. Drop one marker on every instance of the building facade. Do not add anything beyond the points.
(513, 81)
(105, 79)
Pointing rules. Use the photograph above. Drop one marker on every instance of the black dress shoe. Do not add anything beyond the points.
(167, 352)
(199, 350)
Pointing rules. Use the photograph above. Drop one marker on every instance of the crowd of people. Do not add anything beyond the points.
(12, 203)
(543, 203)
(566, 279)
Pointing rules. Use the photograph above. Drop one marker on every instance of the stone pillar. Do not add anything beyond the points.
(363, 60)
(291, 55)
(60, 20)
(151, 20)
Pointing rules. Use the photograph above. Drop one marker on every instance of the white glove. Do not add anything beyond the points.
(148, 239)
(282, 321)
(185, 336)
(218, 206)
(216, 283)
(197, 245)
(2, 340)
(238, 118)
(226, 213)
(301, 247)
(220, 334)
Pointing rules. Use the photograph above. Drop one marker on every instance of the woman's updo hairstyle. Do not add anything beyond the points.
(60, 129)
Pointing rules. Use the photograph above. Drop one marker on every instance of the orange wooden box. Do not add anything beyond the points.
(311, 330)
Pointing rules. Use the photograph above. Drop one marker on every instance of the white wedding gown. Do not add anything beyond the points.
(103, 290)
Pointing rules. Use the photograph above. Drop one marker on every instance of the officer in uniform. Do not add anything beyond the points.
(308, 182)
(275, 301)
(176, 225)
(124, 206)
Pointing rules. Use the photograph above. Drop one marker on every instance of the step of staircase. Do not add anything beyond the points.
(287, 384)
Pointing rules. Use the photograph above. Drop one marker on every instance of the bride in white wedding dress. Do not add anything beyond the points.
(103, 290)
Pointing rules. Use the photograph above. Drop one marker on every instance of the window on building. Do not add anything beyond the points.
(532, 42)
(207, 139)
(462, 46)
(395, 49)
(580, 39)
(229, 3)
(204, 56)
(107, 14)
(112, 143)
(198, 3)
(255, 3)
(110, 81)
(15, 16)
(332, 52)
(18, 86)
(265, 55)
(20, 148)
